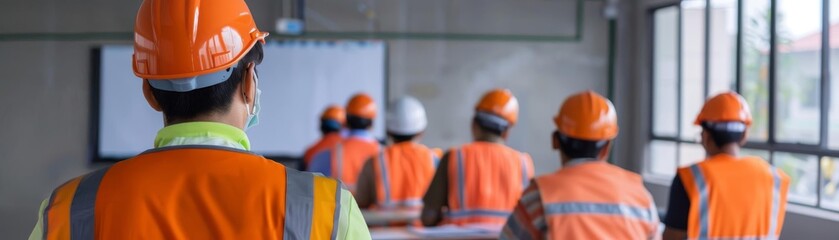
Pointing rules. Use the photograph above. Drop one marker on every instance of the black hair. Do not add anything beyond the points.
(723, 137)
(329, 126)
(398, 138)
(355, 122)
(212, 99)
(489, 126)
(579, 148)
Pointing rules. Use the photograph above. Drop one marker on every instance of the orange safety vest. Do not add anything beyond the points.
(195, 193)
(403, 172)
(328, 141)
(735, 198)
(597, 200)
(485, 182)
(348, 157)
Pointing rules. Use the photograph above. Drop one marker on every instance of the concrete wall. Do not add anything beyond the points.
(44, 105)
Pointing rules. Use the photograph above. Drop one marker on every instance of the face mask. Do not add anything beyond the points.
(253, 117)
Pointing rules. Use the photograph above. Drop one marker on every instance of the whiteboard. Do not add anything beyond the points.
(298, 80)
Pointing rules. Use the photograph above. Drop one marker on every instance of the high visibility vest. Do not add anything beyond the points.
(195, 193)
(733, 198)
(403, 172)
(348, 158)
(328, 141)
(597, 200)
(485, 183)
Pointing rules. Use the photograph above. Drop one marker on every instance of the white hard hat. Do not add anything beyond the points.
(406, 116)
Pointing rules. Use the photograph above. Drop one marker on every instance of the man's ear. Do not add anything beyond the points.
(147, 92)
(604, 153)
(248, 85)
(745, 138)
(554, 141)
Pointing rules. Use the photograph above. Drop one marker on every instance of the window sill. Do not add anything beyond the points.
(813, 212)
(658, 179)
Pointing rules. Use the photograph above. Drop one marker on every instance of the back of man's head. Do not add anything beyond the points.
(725, 133)
(361, 110)
(180, 106)
(406, 119)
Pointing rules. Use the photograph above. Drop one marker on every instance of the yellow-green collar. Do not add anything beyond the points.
(202, 133)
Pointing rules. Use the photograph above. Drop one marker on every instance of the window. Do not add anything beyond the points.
(781, 55)
(665, 71)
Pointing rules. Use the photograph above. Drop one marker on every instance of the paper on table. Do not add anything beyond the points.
(454, 231)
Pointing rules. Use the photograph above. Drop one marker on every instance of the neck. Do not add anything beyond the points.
(731, 149)
(565, 159)
(489, 138)
(218, 118)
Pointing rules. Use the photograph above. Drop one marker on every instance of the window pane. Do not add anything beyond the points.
(833, 122)
(798, 71)
(693, 64)
(755, 152)
(755, 65)
(665, 70)
(802, 170)
(723, 47)
(690, 153)
(662, 157)
(830, 183)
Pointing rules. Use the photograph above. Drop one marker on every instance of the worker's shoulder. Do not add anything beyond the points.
(197, 158)
(595, 170)
(485, 146)
(316, 177)
(201, 151)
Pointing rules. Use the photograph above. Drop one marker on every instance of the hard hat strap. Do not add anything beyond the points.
(192, 83)
(736, 127)
(491, 121)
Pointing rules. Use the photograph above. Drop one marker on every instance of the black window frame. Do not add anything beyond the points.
(771, 145)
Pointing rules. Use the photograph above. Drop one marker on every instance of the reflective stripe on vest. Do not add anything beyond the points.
(348, 159)
(385, 181)
(71, 208)
(568, 208)
(434, 159)
(594, 200)
(704, 219)
(304, 219)
(337, 170)
(389, 202)
(465, 211)
(524, 180)
(776, 202)
(70, 211)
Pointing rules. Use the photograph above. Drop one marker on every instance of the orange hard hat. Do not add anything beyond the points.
(587, 116)
(500, 102)
(362, 105)
(335, 113)
(725, 107)
(176, 39)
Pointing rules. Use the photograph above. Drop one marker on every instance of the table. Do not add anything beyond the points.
(385, 218)
(404, 233)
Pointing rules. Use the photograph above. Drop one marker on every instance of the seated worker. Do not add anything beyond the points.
(331, 122)
(588, 198)
(397, 177)
(200, 181)
(345, 159)
(726, 196)
(480, 182)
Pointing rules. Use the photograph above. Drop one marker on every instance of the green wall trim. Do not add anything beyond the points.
(128, 36)
(434, 36)
(75, 36)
